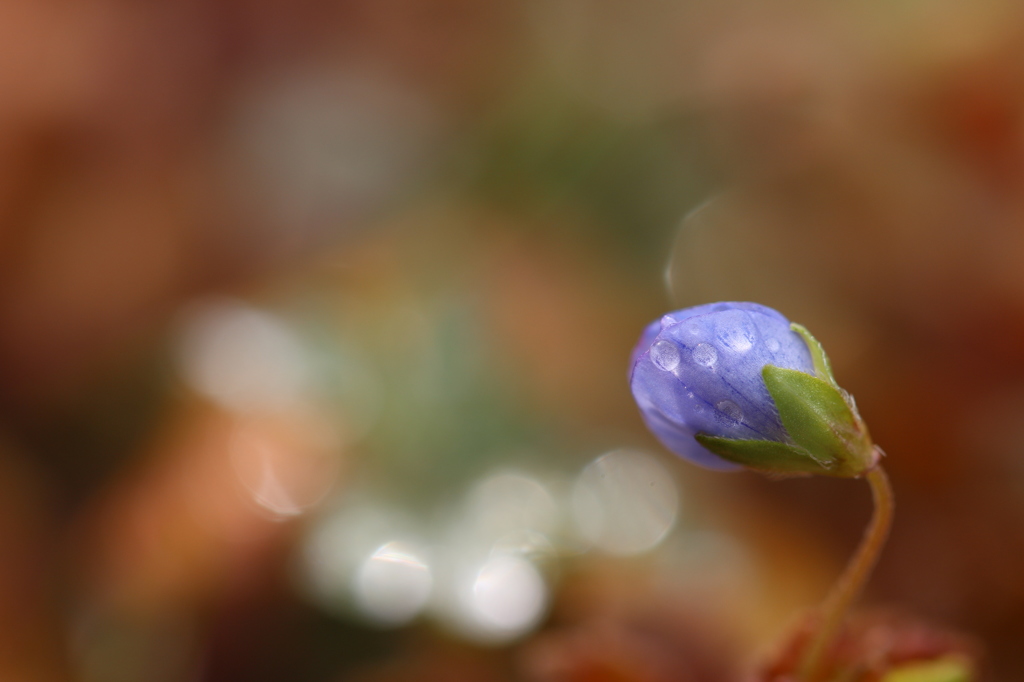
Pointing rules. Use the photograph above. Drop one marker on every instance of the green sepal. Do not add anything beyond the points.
(766, 456)
(822, 365)
(949, 669)
(820, 420)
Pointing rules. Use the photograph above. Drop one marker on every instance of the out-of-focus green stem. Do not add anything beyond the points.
(850, 583)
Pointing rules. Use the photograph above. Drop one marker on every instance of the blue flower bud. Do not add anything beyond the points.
(732, 385)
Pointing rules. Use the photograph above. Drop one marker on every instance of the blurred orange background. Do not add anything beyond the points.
(315, 318)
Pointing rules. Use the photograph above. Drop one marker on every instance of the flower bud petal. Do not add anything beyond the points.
(731, 385)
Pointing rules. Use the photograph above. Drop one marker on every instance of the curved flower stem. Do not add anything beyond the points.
(850, 583)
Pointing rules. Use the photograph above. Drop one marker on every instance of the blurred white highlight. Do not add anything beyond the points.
(242, 358)
(286, 464)
(625, 502)
(508, 597)
(254, 460)
(393, 584)
(505, 503)
(366, 556)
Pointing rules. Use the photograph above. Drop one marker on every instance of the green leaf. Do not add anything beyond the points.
(822, 365)
(763, 455)
(817, 417)
(949, 669)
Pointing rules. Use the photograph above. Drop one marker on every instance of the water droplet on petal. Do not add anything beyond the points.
(739, 339)
(665, 355)
(667, 321)
(730, 410)
(773, 345)
(705, 354)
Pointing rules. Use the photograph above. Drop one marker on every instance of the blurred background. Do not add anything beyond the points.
(315, 318)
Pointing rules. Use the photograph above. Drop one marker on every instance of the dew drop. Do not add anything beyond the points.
(773, 345)
(665, 355)
(730, 410)
(705, 354)
(739, 339)
(667, 321)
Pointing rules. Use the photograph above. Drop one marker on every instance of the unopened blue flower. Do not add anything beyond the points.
(728, 385)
